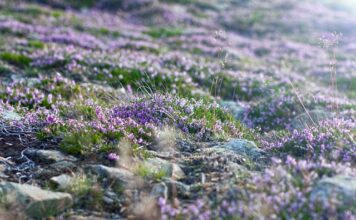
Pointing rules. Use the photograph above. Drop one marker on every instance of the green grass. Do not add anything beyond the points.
(163, 32)
(81, 142)
(36, 44)
(148, 173)
(19, 60)
(348, 86)
(104, 32)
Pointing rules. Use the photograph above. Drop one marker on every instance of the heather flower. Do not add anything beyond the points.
(330, 139)
(113, 157)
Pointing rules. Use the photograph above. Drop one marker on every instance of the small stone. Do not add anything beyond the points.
(243, 147)
(63, 165)
(9, 115)
(177, 188)
(171, 169)
(159, 190)
(108, 201)
(61, 182)
(48, 156)
(37, 203)
(116, 175)
(2, 171)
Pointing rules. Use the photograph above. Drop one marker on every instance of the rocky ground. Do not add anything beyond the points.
(187, 109)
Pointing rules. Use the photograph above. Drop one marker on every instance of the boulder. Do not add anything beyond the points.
(306, 120)
(236, 110)
(242, 147)
(61, 182)
(37, 203)
(171, 169)
(340, 186)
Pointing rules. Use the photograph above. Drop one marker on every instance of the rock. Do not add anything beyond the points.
(61, 182)
(48, 156)
(9, 115)
(159, 190)
(114, 5)
(243, 147)
(2, 171)
(37, 203)
(159, 15)
(343, 187)
(118, 176)
(177, 188)
(80, 217)
(171, 169)
(108, 201)
(63, 166)
(304, 121)
(236, 110)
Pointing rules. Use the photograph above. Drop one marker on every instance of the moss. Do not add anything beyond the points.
(36, 44)
(19, 60)
(57, 14)
(163, 32)
(103, 32)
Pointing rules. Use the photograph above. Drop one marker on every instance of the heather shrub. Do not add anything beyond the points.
(332, 139)
(39, 93)
(277, 111)
(88, 127)
(282, 191)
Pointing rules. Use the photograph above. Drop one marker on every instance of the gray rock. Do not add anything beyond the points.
(177, 188)
(37, 203)
(108, 201)
(113, 5)
(159, 190)
(9, 115)
(63, 165)
(118, 176)
(340, 186)
(61, 182)
(242, 147)
(48, 156)
(171, 169)
(2, 171)
(80, 217)
(236, 110)
(305, 120)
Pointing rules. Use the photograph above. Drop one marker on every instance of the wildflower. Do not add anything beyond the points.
(113, 156)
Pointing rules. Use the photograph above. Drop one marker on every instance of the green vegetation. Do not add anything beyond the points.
(19, 60)
(36, 44)
(163, 32)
